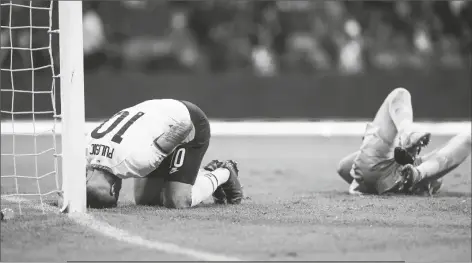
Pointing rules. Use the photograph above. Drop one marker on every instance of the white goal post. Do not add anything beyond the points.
(71, 119)
(72, 105)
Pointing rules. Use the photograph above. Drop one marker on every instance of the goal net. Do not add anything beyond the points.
(42, 106)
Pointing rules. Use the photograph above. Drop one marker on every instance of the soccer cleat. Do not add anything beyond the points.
(213, 165)
(402, 156)
(219, 196)
(232, 188)
(413, 142)
(428, 188)
(411, 177)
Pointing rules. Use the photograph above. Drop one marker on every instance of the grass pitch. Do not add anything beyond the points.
(296, 208)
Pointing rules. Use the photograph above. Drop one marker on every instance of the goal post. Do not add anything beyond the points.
(35, 169)
(72, 106)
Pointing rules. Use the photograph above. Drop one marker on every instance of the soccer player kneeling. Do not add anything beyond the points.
(388, 160)
(161, 144)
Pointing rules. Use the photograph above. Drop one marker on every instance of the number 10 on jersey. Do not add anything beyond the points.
(118, 137)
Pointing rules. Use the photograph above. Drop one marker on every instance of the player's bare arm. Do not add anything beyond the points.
(177, 133)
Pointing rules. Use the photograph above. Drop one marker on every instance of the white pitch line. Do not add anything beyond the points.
(105, 229)
(261, 128)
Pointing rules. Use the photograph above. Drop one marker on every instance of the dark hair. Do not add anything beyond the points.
(101, 198)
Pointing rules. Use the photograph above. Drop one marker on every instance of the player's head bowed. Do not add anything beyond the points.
(103, 189)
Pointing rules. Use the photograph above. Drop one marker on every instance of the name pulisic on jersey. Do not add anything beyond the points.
(103, 150)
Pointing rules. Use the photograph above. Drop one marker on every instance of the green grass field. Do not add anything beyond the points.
(296, 209)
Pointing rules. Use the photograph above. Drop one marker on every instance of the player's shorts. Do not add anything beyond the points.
(184, 163)
(375, 165)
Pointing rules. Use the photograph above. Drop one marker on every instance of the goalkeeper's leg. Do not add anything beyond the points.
(438, 163)
(395, 115)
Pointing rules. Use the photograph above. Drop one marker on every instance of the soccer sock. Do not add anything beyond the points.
(206, 183)
(447, 158)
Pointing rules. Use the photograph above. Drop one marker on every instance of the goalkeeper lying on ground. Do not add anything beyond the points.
(161, 144)
(388, 160)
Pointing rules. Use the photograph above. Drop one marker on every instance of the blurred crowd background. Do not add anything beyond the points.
(328, 59)
(268, 37)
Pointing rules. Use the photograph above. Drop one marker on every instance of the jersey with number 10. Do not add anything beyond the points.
(124, 144)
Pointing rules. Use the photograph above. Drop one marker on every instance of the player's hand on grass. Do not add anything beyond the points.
(356, 188)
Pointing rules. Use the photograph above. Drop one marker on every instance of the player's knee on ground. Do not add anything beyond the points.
(395, 113)
(170, 139)
(147, 191)
(100, 192)
(177, 195)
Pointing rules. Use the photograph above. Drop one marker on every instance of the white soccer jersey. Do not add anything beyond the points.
(124, 144)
